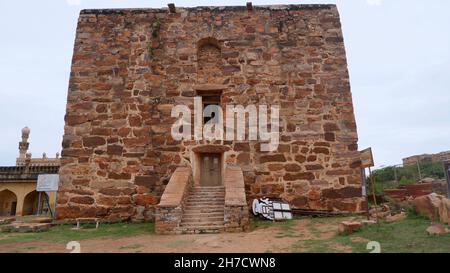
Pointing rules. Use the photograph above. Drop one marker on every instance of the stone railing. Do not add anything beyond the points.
(25, 173)
(236, 209)
(170, 209)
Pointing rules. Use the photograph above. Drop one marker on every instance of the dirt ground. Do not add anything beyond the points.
(280, 237)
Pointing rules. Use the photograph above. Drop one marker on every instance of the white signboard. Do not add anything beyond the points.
(47, 182)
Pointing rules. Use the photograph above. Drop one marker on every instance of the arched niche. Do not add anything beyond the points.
(209, 61)
(30, 203)
(8, 203)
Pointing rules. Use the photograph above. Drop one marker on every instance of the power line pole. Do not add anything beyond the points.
(418, 168)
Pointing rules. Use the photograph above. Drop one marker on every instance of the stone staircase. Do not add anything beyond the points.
(203, 210)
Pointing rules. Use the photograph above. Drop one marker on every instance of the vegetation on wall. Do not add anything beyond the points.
(156, 27)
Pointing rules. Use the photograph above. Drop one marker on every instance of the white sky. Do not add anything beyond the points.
(398, 54)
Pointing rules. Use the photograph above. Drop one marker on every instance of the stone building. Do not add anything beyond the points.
(130, 67)
(18, 196)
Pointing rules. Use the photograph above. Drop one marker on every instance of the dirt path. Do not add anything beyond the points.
(274, 238)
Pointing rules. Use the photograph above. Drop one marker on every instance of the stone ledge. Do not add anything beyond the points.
(175, 190)
(234, 187)
(121, 11)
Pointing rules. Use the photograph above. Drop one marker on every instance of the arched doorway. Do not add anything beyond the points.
(30, 203)
(8, 203)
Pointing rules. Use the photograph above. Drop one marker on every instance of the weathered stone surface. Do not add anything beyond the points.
(117, 140)
(437, 229)
(347, 192)
(433, 206)
(272, 158)
(349, 226)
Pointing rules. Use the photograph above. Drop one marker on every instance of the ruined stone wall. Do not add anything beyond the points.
(130, 67)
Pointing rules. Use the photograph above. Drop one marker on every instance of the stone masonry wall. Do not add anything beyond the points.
(130, 67)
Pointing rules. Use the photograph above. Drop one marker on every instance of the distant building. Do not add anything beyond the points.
(439, 157)
(18, 194)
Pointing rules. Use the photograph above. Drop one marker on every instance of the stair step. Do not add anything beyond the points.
(202, 202)
(201, 230)
(201, 210)
(208, 190)
(202, 224)
(219, 198)
(196, 209)
(207, 195)
(203, 214)
(185, 219)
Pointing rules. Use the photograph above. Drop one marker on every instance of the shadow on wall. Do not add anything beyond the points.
(30, 204)
(8, 203)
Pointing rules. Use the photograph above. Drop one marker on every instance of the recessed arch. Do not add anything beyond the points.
(8, 203)
(208, 41)
(210, 63)
(30, 203)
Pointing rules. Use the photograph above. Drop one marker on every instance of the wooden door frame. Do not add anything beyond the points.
(196, 166)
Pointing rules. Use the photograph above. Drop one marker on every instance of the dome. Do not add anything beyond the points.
(26, 131)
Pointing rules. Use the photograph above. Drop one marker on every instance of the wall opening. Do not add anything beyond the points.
(209, 59)
(8, 203)
(30, 203)
(210, 170)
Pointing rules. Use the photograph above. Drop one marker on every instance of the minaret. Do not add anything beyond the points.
(23, 145)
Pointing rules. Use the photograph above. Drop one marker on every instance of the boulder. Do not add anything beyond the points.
(428, 206)
(434, 206)
(396, 217)
(444, 211)
(427, 180)
(437, 229)
(380, 212)
(349, 226)
(368, 222)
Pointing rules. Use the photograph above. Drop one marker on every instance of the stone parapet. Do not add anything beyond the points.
(236, 209)
(170, 209)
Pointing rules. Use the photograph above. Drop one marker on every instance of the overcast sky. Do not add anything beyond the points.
(398, 53)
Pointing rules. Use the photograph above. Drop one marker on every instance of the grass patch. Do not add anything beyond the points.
(406, 236)
(257, 222)
(66, 233)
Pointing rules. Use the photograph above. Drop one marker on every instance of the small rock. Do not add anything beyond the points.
(437, 229)
(349, 226)
(396, 217)
(368, 222)
(427, 180)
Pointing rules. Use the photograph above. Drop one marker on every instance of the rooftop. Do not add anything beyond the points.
(209, 8)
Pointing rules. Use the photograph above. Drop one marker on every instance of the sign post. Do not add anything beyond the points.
(47, 183)
(367, 162)
(447, 176)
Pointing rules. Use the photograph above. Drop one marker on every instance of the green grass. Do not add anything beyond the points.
(407, 236)
(66, 233)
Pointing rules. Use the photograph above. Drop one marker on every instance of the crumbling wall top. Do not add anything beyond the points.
(122, 11)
